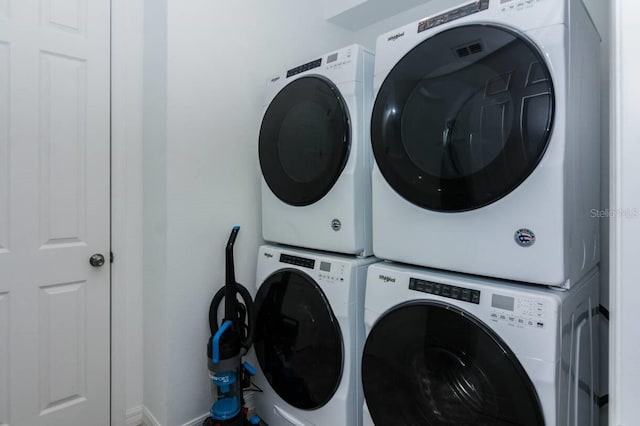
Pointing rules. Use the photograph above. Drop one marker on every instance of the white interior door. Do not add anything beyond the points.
(54, 212)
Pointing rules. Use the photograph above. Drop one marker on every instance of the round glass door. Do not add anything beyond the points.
(298, 341)
(464, 118)
(429, 364)
(304, 140)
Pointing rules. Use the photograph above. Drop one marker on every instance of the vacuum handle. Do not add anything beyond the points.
(230, 302)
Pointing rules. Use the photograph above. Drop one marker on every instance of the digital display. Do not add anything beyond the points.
(325, 266)
(332, 58)
(502, 302)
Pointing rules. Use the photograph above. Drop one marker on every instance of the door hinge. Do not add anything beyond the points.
(111, 256)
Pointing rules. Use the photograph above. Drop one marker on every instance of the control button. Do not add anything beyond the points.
(540, 324)
(466, 295)
(494, 315)
(437, 288)
(455, 293)
(428, 287)
(475, 297)
(445, 291)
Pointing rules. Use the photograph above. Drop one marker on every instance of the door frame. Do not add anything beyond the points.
(127, 49)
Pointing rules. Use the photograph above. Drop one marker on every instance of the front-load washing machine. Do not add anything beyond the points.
(486, 131)
(308, 337)
(450, 349)
(315, 154)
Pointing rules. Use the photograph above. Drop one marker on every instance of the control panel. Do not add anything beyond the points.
(452, 15)
(298, 261)
(305, 67)
(338, 59)
(444, 290)
(331, 272)
(516, 5)
(325, 271)
(519, 312)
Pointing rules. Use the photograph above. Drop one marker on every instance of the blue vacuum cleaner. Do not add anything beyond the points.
(229, 343)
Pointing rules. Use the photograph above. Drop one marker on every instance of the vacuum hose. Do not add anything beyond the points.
(243, 311)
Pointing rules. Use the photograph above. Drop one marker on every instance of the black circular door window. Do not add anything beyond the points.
(430, 364)
(304, 140)
(464, 118)
(298, 341)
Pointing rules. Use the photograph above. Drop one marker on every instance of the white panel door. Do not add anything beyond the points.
(54, 212)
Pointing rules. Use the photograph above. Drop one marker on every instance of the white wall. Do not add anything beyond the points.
(206, 65)
(155, 241)
(625, 197)
(126, 221)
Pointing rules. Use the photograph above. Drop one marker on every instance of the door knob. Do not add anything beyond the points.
(96, 260)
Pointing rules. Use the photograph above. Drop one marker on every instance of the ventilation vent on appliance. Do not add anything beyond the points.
(470, 49)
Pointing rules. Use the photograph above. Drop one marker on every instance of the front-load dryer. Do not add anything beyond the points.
(308, 337)
(486, 131)
(450, 349)
(315, 154)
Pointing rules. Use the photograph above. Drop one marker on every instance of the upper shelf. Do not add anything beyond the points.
(357, 14)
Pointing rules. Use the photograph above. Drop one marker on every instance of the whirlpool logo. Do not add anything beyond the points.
(387, 278)
(395, 36)
(268, 255)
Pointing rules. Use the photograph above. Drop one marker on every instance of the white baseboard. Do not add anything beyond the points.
(147, 419)
(197, 421)
(133, 416)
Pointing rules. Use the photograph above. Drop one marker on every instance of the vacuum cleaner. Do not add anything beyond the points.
(229, 343)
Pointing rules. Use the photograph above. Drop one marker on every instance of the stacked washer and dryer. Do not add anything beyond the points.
(486, 137)
(316, 163)
(484, 126)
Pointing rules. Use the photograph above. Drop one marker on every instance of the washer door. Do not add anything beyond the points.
(298, 340)
(463, 118)
(304, 140)
(433, 364)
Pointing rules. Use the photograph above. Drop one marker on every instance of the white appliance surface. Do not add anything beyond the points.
(340, 221)
(341, 279)
(552, 212)
(551, 332)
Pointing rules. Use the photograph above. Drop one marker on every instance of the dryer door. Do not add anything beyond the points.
(432, 364)
(304, 140)
(463, 118)
(298, 341)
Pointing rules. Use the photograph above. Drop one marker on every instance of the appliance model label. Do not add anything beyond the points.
(396, 36)
(452, 15)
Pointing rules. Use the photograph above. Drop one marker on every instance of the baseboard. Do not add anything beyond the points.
(133, 416)
(197, 421)
(147, 419)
